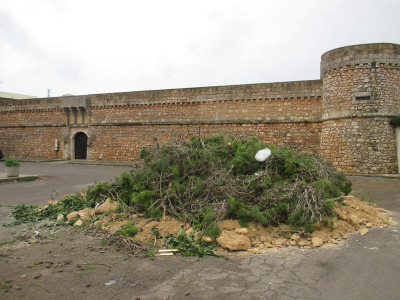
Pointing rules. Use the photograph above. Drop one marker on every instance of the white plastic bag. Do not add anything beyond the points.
(263, 154)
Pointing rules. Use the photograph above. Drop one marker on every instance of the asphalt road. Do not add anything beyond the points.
(362, 267)
(56, 179)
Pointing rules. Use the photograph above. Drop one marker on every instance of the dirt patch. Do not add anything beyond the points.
(67, 263)
(352, 215)
(44, 261)
(152, 229)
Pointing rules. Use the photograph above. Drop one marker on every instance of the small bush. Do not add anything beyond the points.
(64, 206)
(25, 214)
(128, 230)
(12, 163)
(189, 246)
(205, 221)
(143, 199)
(93, 194)
(143, 153)
(126, 186)
(32, 213)
(296, 218)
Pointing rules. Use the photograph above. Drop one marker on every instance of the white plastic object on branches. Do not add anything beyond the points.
(263, 154)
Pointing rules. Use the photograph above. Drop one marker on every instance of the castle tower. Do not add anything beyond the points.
(360, 95)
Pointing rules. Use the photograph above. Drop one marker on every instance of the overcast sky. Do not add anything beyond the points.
(95, 46)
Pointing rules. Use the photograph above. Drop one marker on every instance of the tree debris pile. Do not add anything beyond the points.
(202, 182)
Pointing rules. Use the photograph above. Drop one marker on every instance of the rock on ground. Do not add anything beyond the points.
(106, 207)
(317, 242)
(233, 241)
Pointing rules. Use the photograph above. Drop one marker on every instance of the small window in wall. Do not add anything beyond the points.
(359, 98)
(362, 96)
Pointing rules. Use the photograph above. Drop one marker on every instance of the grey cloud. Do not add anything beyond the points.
(15, 35)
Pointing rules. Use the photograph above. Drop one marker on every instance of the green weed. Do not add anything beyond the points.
(89, 267)
(189, 245)
(38, 284)
(9, 242)
(5, 286)
(128, 230)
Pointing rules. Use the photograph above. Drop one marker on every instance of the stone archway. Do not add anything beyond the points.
(80, 142)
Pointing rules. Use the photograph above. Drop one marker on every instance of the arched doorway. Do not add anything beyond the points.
(81, 145)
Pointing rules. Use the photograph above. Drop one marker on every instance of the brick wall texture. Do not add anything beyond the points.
(344, 117)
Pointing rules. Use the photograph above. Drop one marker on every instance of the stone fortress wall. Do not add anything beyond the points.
(343, 117)
(361, 93)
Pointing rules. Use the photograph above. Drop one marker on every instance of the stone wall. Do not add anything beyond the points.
(295, 109)
(31, 142)
(360, 145)
(247, 92)
(119, 125)
(361, 93)
(344, 116)
(345, 88)
(29, 127)
(284, 114)
(118, 143)
(31, 112)
(33, 118)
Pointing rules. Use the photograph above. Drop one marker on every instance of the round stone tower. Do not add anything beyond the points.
(360, 95)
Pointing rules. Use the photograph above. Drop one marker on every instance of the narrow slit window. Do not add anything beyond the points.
(359, 98)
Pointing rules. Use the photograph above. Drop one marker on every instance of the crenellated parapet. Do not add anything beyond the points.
(366, 55)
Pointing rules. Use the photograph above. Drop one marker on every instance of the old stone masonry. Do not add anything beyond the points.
(343, 117)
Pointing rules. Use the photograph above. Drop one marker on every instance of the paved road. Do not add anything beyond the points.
(363, 267)
(57, 179)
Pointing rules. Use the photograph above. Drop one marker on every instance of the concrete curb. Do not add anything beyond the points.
(4, 178)
(81, 162)
(101, 162)
(388, 176)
